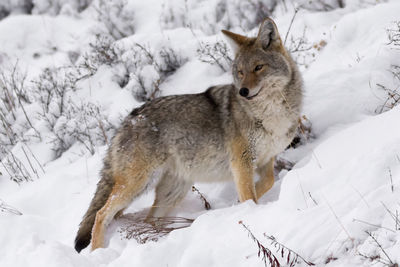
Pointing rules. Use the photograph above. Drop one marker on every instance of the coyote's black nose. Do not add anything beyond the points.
(244, 92)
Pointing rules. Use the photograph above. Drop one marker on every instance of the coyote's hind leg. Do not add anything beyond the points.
(121, 196)
(170, 190)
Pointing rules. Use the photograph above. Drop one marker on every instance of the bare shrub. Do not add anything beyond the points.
(13, 99)
(302, 50)
(150, 69)
(55, 7)
(384, 259)
(83, 123)
(51, 89)
(14, 167)
(67, 121)
(392, 93)
(215, 54)
(321, 5)
(138, 67)
(103, 51)
(394, 35)
(222, 14)
(116, 16)
(15, 6)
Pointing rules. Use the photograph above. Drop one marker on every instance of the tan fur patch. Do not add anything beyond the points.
(266, 179)
(128, 184)
(250, 80)
(242, 168)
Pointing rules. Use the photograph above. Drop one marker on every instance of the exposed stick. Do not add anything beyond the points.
(18, 94)
(315, 202)
(391, 180)
(207, 205)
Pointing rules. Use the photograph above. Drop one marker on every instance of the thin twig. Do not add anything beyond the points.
(37, 161)
(301, 187)
(315, 202)
(391, 180)
(276, 243)
(30, 163)
(361, 196)
(374, 225)
(290, 25)
(394, 217)
(207, 205)
(337, 218)
(4, 207)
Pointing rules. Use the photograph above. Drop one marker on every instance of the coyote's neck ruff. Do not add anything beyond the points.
(228, 132)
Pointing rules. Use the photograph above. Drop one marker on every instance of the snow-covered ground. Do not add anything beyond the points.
(336, 207)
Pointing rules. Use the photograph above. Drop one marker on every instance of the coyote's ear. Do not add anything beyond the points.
(268, 35)
(235, 40)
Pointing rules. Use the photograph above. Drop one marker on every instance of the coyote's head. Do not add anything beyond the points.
(261, 63)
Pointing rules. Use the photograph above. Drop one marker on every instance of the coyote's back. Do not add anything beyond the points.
(229, 131)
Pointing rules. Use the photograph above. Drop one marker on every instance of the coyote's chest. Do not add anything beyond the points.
(274, 132)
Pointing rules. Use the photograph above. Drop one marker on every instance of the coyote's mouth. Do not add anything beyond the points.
(253, 96)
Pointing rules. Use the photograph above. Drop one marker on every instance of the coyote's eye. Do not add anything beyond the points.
(240, 73)
(258, 67)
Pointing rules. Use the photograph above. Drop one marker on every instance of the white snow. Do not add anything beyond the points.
(346, 180)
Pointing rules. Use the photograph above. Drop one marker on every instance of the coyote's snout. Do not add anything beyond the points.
(228, 132)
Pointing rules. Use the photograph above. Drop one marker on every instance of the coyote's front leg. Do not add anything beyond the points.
(266, 181)
(242, 169)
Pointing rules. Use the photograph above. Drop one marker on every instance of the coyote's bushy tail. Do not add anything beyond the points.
(103, 191)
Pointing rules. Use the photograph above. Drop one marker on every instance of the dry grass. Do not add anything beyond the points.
(143, 229)
(290, 257)
(4, 207)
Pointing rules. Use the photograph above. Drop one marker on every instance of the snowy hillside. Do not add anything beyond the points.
(70, 71)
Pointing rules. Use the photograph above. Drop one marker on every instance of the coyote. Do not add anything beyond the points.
(229, 131)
